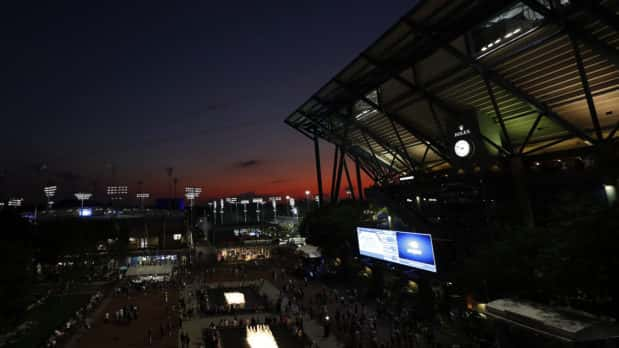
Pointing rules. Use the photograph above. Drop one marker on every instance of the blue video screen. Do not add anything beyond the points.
(404, 248)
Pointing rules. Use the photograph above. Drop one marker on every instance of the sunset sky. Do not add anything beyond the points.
(116, 92)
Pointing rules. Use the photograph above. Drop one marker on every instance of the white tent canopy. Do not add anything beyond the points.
(310, 251)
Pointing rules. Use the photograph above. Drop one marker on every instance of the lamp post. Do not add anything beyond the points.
(192, 193)
(244, 203)
(307, 200)
(142, 196)
(274, 201)
(82, 196)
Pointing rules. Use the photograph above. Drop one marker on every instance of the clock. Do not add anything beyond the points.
(462, 148)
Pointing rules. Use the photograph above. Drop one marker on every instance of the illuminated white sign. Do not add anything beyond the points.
(462, 132)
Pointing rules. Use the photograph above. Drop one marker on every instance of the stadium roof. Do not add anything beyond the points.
(538, 76)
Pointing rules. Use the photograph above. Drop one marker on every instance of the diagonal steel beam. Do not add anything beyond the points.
(417, 133)
(397, 133)
(552, 143)
(451, 112)
(590, 40)
(350, 120)
(499, 116)
(585, 86)
(530, 133)
(377, 161)
(516, 91)
(613, 132)
(501, 81)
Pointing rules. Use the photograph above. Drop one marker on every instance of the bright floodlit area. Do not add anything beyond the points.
(260, 336)
(234, 298)
(309, 174)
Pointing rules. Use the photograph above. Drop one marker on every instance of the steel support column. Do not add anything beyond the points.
(318, 170)
(359, 184)
(333, 175)
(336, 193)
(350, 187)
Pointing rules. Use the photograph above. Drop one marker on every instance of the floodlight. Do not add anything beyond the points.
(142, 195)
(50, 191)
(15, 202)
(257, 200)
(407, 178)
(83, 196)
(196, 191)
(117, 192)
(260, 336)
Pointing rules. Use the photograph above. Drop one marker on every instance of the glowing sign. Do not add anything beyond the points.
(404, 248)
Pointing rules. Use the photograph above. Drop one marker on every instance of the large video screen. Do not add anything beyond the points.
(404, 248)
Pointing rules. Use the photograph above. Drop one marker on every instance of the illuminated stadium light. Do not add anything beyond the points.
(15, 202)
(142, 196)
(260, 336)
(232, 200)
(50, 191)
(117, 192)
(234, 298)
(196, 191)
(407, 178)
(257, 200)
(83, 196)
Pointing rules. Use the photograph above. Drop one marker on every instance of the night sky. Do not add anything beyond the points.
(115, 93)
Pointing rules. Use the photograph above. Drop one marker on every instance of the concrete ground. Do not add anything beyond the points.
(153, 313)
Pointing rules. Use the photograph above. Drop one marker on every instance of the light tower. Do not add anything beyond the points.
(50, 193)
(293, 209)
(258, 202)
(244, 203)
(142, 196)
(191, 193)
(83, 196)
(117, 193)
(274, 201)
(235, 201)
(15, 202)
(307, 199)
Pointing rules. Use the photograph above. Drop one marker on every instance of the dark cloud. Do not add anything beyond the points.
(248, 164)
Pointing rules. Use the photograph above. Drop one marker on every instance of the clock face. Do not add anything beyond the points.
(462, 148)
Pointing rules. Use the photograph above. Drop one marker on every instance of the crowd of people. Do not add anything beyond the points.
(80, 319)
(211, 335)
